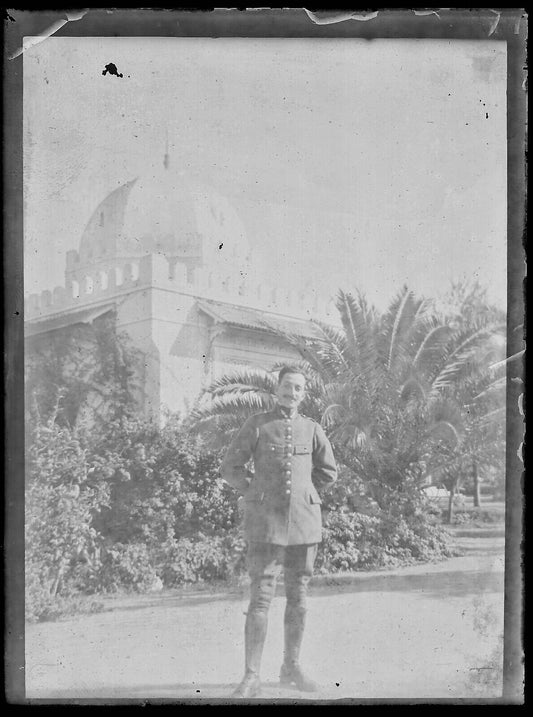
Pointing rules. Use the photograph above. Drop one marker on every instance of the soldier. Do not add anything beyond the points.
(282, 520)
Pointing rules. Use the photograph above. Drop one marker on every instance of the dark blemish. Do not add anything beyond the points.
(337, 683)
(197, 690)
(112, 69)
(486, 115)
(17, 313)
(221, 245)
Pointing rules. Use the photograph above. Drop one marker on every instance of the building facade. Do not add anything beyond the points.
(169, 259)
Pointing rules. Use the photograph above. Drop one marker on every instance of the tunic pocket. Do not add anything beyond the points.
(301, 449)
(314, 499)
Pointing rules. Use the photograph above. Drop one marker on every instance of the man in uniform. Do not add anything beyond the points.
(282, 519)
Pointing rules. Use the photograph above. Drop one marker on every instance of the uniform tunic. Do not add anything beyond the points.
(291, 457)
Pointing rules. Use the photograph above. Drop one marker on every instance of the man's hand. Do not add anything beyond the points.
(240, 505)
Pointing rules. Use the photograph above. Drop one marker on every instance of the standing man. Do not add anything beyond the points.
(282, 519)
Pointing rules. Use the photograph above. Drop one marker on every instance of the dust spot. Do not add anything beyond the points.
(112, 69)
(221, 245)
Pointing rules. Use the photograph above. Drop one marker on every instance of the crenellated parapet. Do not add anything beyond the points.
(85, 286)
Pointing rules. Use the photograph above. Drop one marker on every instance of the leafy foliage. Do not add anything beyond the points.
(61, 502)
(82, 374)
(123, 509)
(390, 390)
(114, 503)
(355, 541)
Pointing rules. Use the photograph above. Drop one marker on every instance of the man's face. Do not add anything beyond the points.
(291, 390)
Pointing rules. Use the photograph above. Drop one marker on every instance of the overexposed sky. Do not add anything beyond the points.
(353, 164)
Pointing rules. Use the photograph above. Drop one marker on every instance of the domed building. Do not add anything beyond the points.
(162, 213)
(168, 258)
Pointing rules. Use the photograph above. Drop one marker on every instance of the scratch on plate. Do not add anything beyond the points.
(328, 18)
(426, 12)
(494, 24)
(28, 42)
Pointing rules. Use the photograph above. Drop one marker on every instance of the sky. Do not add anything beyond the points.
(352, 164)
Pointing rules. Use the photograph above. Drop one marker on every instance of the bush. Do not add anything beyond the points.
(163, 484)
(41, 605)
(477, 515)
(203, 559)
(354, 541)
(126, 567)
(60, 501)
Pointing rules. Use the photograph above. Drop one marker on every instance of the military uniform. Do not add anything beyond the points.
(292, 457)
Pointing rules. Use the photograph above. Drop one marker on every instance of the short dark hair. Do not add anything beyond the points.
(290, 369)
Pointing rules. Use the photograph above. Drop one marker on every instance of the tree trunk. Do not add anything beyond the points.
(449, 517)
(477, 487)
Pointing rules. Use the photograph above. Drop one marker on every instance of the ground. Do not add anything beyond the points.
(422, 632)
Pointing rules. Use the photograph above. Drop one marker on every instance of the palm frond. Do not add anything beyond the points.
(359, 326)
(239, 404)
(492, 388)
(464, 355)
(412, 388)
(445, 431)
(402, 327)
(243, 379)
(334, 353)
(432, 346)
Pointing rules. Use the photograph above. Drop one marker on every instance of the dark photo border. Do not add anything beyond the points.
(509, 25)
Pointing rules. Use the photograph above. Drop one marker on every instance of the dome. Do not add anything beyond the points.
(163, 212)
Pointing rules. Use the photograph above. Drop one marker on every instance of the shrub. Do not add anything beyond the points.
(354, 541)
(203, 559)
(478, 515)
(60, 504)
(163, 485)
(126, 567)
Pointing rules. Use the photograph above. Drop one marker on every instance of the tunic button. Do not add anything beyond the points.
(288, 492)
(288, 482)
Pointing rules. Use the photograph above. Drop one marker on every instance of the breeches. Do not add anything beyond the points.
(265, 561)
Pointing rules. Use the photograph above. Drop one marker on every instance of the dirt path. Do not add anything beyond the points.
(424, 632)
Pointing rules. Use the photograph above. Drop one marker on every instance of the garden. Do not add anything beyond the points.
(410, 398)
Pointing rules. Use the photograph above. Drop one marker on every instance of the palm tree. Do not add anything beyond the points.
(477, 387)
(381, 385)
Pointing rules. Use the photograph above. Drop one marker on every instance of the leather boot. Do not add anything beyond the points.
(254, 639)
(291, 672)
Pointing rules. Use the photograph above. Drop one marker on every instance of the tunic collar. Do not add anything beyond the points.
(286, 412)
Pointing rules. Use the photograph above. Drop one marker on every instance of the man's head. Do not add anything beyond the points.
(290, 390)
